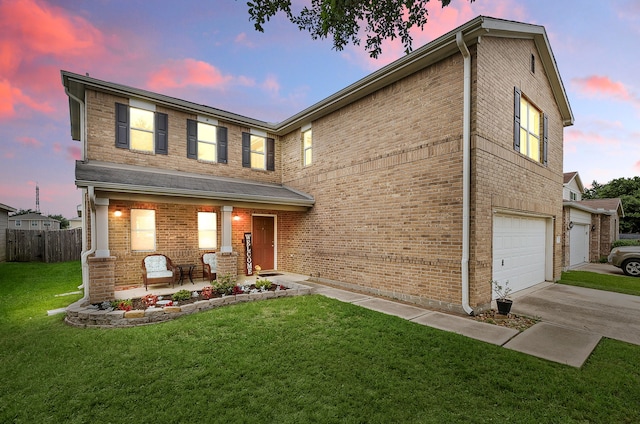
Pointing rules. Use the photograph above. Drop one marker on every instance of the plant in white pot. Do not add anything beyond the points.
(502, 293)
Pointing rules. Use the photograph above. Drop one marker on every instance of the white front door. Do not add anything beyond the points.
(578, 244)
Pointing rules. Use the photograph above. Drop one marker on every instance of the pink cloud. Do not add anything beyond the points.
(186, 72)
(73, 153)
(243, 40)
(578, 137)
(32, 33)
(271, 84)
(30, 142)
(603, 87)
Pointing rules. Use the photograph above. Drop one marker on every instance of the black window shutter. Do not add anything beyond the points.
(271, 154)
(545, 138)
(192, 139)
(222, 145)
(516, 119)
(122, 126)
(246, 150)
(162, 131)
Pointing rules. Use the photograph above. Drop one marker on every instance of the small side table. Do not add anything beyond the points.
(186, 269)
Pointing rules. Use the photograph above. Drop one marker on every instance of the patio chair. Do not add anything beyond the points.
(209, 265)
(158, 269)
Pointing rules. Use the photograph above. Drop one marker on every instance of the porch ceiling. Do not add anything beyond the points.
(143, 180)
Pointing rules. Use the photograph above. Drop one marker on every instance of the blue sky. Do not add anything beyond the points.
(208, 52)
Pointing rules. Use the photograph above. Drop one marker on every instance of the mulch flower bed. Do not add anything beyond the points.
(183, 297)
(517, 322)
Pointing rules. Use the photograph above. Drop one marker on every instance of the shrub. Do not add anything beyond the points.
(625, 242)
(263, 284)
(181, 295)
(123, 305)
(225, 284)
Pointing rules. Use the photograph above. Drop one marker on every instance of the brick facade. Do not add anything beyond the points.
(386, 178)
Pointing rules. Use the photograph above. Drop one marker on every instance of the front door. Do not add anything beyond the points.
(263, 241)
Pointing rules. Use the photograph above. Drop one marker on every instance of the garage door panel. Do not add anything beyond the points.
(519, 250)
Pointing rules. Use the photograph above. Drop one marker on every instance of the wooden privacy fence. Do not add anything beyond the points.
(44, 245)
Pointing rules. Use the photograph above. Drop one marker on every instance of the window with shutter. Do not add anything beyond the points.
(141, 129)
(258, 152)
(206, 142)
(529, 129)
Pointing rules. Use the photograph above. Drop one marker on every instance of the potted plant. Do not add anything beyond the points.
(502, 291)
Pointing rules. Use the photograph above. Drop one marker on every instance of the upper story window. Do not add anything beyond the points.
(34, 223)
(258, 152)
(530, 131)
(307, 147)
(143, 229)
(206, 141)
(573, 195)
(139, 127)
(18, 223)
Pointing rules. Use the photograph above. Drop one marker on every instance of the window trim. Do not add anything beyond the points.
(192, 140)
(123, 128)
(269, 151)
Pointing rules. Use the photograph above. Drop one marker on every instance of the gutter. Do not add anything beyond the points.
(466, 172)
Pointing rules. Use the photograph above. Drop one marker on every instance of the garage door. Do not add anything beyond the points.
(578, 244)
(519, 250)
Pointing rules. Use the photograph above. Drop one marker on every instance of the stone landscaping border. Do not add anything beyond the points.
(88, 316)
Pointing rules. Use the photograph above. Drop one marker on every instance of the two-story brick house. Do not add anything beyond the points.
(423, 181)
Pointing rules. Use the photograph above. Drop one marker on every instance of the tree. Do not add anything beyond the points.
(383, 19)
(628, 190)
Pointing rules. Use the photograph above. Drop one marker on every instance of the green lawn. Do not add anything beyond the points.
(305, 359)
(592, 280)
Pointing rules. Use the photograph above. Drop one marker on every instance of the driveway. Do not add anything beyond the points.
(612, 315)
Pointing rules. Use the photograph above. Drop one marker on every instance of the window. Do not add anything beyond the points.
(141, 129)
(18, 223)
(573, 196)
(207, 230)
(258, 152)
(143, 230)
(206, 142)
(141, 135)
(307, 148)
(46, 224)
(530, 129)
(34, 223)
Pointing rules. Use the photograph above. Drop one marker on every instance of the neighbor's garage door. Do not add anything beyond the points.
(578, 244)
(519, 250)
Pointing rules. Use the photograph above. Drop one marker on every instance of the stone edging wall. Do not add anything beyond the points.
(86, 316)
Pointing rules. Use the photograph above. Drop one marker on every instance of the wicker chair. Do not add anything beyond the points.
(209, 265)
(158, 269)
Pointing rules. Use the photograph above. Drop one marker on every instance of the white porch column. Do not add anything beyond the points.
(226, 229)
(102, 228)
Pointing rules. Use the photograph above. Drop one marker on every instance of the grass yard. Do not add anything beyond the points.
(592, 280)
(305, 359)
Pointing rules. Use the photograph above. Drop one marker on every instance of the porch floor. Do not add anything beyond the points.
(199, 283)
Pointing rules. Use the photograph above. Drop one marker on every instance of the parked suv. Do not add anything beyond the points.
(627, 258)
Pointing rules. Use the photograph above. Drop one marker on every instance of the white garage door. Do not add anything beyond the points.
(578, 244)
(519, 250)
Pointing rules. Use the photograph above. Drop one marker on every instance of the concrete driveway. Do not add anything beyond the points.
(612, 315)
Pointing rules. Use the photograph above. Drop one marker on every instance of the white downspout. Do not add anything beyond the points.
(92, 206)
(92, 249)
(466, 171)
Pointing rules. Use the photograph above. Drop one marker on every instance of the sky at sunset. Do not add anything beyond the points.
(208, 52)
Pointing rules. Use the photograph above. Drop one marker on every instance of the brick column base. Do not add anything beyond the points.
(227, 263)
(102, 280)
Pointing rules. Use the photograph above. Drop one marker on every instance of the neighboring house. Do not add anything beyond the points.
(33, 221)
(590, 226)
(4, 224)
(423, 181)
(75, 223)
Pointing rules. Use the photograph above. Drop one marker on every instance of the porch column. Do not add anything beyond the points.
(226, 229)
(102, 228)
